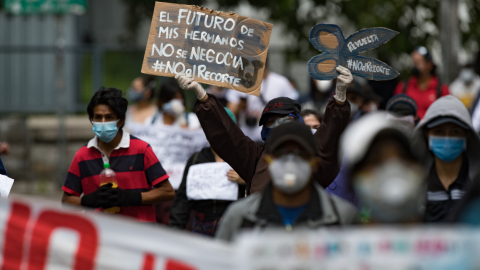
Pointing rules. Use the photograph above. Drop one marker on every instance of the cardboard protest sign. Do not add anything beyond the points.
(209, 181)
(6, 184)
(218, 48)
(336, 50)
(173, 146)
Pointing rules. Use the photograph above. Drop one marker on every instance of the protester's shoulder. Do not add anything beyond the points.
(83, 153)
(342, 204)
(138, 143)
(245, 205)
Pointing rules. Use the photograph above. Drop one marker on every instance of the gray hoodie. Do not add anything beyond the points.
(452, 107)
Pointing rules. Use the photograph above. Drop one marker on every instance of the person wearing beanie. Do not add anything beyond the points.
(207, 212)
(246, 156)
(292, 199)
(403, 109)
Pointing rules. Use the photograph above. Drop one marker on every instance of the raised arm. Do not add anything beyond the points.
(336, 119)
(224, 136)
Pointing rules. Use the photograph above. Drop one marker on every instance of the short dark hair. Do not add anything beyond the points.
(112, 97)
(168, 90)
(317, 115)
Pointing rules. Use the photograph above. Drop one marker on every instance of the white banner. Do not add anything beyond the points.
(435, 248)
(41, 235)
(173, 146)
(209, 181)
(38, 234)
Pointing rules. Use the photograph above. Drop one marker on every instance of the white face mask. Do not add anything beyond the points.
(290, 173)
(323, 86)
(393, 192)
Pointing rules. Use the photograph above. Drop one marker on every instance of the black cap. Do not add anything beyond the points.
(448, 119)
(402, 105)
(292, 131)
(281, 105)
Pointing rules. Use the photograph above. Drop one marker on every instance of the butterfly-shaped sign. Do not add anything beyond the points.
(336, 50)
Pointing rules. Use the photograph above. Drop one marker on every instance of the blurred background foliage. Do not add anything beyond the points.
(416, 20)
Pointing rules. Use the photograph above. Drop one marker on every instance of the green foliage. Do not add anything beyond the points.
(416, 20)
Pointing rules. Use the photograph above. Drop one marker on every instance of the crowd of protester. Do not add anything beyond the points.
(351, 156)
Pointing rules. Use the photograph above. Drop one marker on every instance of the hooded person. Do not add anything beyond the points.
(246, 156)
(384, 173)
(452, 154)
(292, 200)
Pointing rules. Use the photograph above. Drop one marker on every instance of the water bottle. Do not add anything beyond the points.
(108, 176)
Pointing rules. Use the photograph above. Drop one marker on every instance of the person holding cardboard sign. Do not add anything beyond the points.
(245, 155)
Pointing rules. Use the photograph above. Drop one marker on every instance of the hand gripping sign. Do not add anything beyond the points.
(217, 48)
(337, 50)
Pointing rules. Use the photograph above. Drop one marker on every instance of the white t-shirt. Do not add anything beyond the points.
(130, 121)
(274, 86)
(192, 121)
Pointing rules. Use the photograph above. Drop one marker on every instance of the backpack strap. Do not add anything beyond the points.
(405, 84)
(195, 158)
(439, 88)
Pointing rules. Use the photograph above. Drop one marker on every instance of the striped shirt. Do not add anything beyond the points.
(136, 167)
(441, 201)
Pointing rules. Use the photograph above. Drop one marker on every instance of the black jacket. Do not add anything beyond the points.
(204, 209)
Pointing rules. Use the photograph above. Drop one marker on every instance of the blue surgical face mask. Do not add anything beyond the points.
(105, 131)
(135, 96)
(447, 148)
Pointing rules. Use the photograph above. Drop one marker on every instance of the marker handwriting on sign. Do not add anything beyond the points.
(336, 50)
(362, 42)
(358, 65)
(218, 48)
(208, 181)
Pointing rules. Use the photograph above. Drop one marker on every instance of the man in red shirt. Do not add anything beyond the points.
(141, 179)
(423, 86)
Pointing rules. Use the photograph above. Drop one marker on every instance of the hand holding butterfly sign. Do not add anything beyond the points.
(338, 51)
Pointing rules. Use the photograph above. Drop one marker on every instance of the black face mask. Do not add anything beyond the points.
(415, 72)
(251, 121)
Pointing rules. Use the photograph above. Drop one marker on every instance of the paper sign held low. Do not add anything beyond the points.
(216, 48)
(336, 50)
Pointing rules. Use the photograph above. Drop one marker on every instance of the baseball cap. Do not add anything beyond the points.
(442, 120)
(292, 131)
(281, 105)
